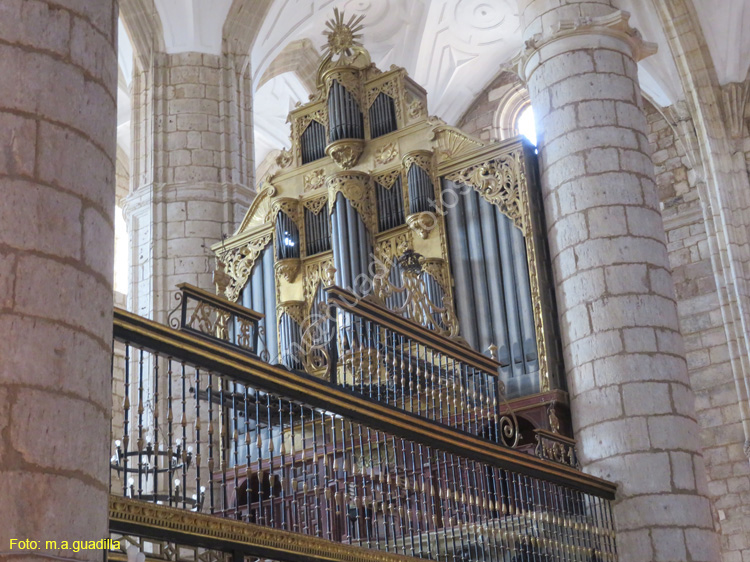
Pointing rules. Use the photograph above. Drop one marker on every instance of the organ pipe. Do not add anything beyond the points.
(390, 205)
(382, 116)
(344, 116)
(287, 237)
(352, 245)
(260, 295)
(313, 142)
(492, 292)
(421, 190)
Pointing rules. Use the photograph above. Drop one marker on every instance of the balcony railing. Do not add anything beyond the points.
(206, 428)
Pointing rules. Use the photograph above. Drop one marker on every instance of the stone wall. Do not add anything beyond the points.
(58, 78)
(705, 339)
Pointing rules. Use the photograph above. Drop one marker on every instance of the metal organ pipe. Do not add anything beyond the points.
(352, 243)
(497, 301)
(524, 299)
(459, 252)
(345, 117)
(478, 272)
(313, 142)
(485, 246)
(511, 303)
(382, 116)
(421, 190)
(269, 309)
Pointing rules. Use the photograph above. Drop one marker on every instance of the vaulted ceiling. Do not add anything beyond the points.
(453, 48)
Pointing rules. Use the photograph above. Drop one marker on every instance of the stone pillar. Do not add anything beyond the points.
(192, 171)
(58, 78)
(631, 401)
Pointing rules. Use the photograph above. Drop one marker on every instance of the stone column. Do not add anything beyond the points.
(192, 171)
(631, 401)
(58, 77)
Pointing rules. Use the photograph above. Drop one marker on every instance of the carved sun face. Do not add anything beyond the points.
(340, 39)
(342, 36)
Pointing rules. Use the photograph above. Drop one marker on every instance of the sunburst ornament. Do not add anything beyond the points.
(343, 38)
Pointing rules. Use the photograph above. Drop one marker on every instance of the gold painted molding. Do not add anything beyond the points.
(158, 520)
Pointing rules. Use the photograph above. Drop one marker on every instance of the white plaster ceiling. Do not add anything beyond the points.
(193, 25)
(453, 48)
(726, 26)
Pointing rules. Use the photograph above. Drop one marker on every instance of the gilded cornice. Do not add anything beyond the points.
(147, 518)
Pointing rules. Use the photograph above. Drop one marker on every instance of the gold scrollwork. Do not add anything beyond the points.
(315, 204)
(499, 182)
(422, 158)
(386, 153)
(314, 179)
(284, 159)
(210, 320)
(346, 152)
(237, 264)
(387, 179)
(295, 310)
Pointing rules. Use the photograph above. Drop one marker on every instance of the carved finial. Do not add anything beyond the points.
(342, 37)
(330, 274)
(554, 421)
(493, 351)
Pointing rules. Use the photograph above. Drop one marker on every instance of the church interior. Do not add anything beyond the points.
(375, 280)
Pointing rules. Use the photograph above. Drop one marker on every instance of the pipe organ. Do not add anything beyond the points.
(403, 316)
(399, 208)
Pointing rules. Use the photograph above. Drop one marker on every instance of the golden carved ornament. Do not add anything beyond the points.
(319, 271)
(422, 223)
(438, 269)
(499, 182)
(387, 179)
(417, 305)
(259, 213)
(290, 207)
(295, 310)
(284, 159)
(238, 263)
(348, 78)
(343, 48)
(129, 512)
(316, 204)
(386, 153)
(314, 179)
(288, 268)
(416, 109)
(422, 158)
(346, 152)
(453, 142)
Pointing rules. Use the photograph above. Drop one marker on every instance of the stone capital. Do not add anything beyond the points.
(611, 31)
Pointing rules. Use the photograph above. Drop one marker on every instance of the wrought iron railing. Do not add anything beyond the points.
(209, 429)
(377, 354)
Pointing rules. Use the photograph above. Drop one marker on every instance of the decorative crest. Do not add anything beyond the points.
(343, 47)
(343, 38)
